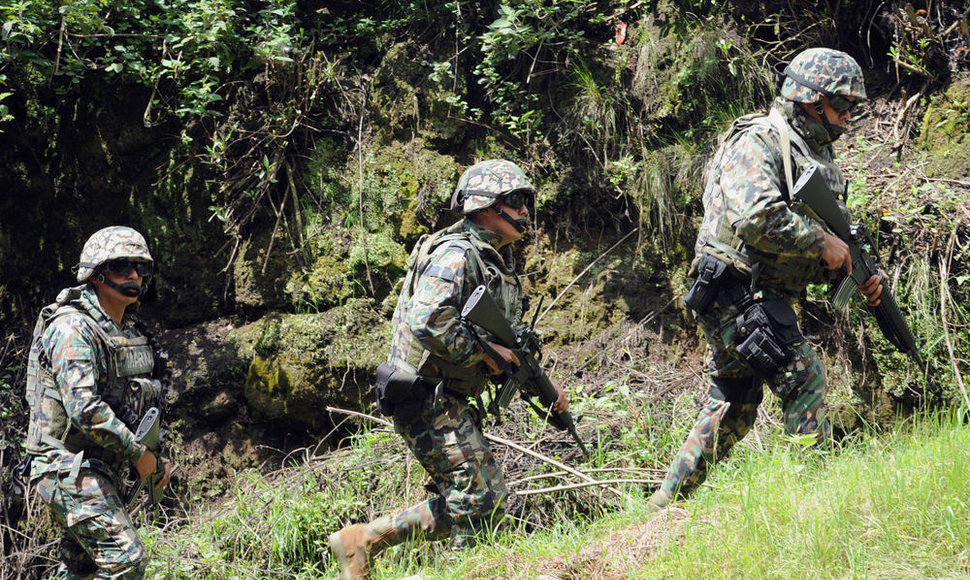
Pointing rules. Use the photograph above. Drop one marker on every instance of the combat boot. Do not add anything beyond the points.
(355, 545)
(659, 500)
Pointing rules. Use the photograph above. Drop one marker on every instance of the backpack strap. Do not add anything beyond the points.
(780, 125)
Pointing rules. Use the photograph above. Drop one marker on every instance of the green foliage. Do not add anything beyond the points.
(281, 520)
(887, 504)
(4, 109)
(527, 41)
(11, 391)
(927, 286)
(886, 507)
(641, 431)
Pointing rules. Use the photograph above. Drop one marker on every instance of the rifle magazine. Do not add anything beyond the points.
(844, 293)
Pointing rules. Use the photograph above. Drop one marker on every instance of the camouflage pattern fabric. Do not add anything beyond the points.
(98, 535)
(74, 355)
(86, 390)
(472, 491)
(833, 71)
(721, 424)
(482, 183)
(745, 194)
(427, 319)
(446, 438)
(108, 244)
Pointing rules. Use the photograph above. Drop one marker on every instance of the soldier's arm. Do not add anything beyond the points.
(433, 316)
(74, 353)
(752, 178)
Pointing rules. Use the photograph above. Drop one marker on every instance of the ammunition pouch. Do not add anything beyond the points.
(400, 394)
(766, 332)
(711, 274)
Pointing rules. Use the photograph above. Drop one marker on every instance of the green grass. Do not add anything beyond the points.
(890, 506)
(885, 505)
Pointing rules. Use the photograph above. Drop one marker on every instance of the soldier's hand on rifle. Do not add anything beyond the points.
(506, 353)
(835, 253)
(148, 464)
(872, 288)
(562, 402)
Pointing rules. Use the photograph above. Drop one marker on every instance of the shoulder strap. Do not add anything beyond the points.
(787, 139)
(781, 125)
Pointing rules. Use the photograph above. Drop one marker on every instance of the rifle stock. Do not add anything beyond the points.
(481, 309)
(149, 434)
(812, 190)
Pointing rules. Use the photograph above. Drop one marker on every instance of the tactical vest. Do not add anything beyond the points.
(502, 283)
(129, 389)
(717, 237)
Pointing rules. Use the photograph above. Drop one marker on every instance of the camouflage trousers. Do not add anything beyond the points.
(98, 537)
(721, 424)
(472, 493)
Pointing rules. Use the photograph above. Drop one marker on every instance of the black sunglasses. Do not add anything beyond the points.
(841, 104)
(518, 198)
(122, 266)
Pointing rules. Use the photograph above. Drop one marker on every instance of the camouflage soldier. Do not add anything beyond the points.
(756, 253)
(89, 380)
(440, 366)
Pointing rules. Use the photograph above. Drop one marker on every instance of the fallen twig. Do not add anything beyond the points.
(583, 484)
(495, 439)
(594, 470)
(944, 291)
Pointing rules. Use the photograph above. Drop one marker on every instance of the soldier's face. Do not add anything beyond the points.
(125, 287)
(508, 231)
(839, 115)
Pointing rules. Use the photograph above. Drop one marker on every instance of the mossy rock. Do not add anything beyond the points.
(302, 363)
(946, 132)
(328, 283)
(411, 184)
(589, 305)
(260, 271)
(347, 265)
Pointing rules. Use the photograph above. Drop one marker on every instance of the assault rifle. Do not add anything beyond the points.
(529, 379)
(150, 435)
(812, 190)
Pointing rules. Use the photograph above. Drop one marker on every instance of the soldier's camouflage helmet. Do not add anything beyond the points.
(483, 183)
(111, 243)
(822, 70)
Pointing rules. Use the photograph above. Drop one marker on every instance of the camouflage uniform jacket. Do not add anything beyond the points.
(428, 335)
(89, 381)
(749, 217)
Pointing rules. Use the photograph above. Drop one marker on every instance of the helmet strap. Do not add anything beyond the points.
(800, 79)
(834, 131)
(518, 224)
(129, 289)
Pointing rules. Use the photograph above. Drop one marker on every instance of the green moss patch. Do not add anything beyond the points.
(946, 132)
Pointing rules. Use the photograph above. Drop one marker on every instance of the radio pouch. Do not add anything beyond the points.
(766, 333)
